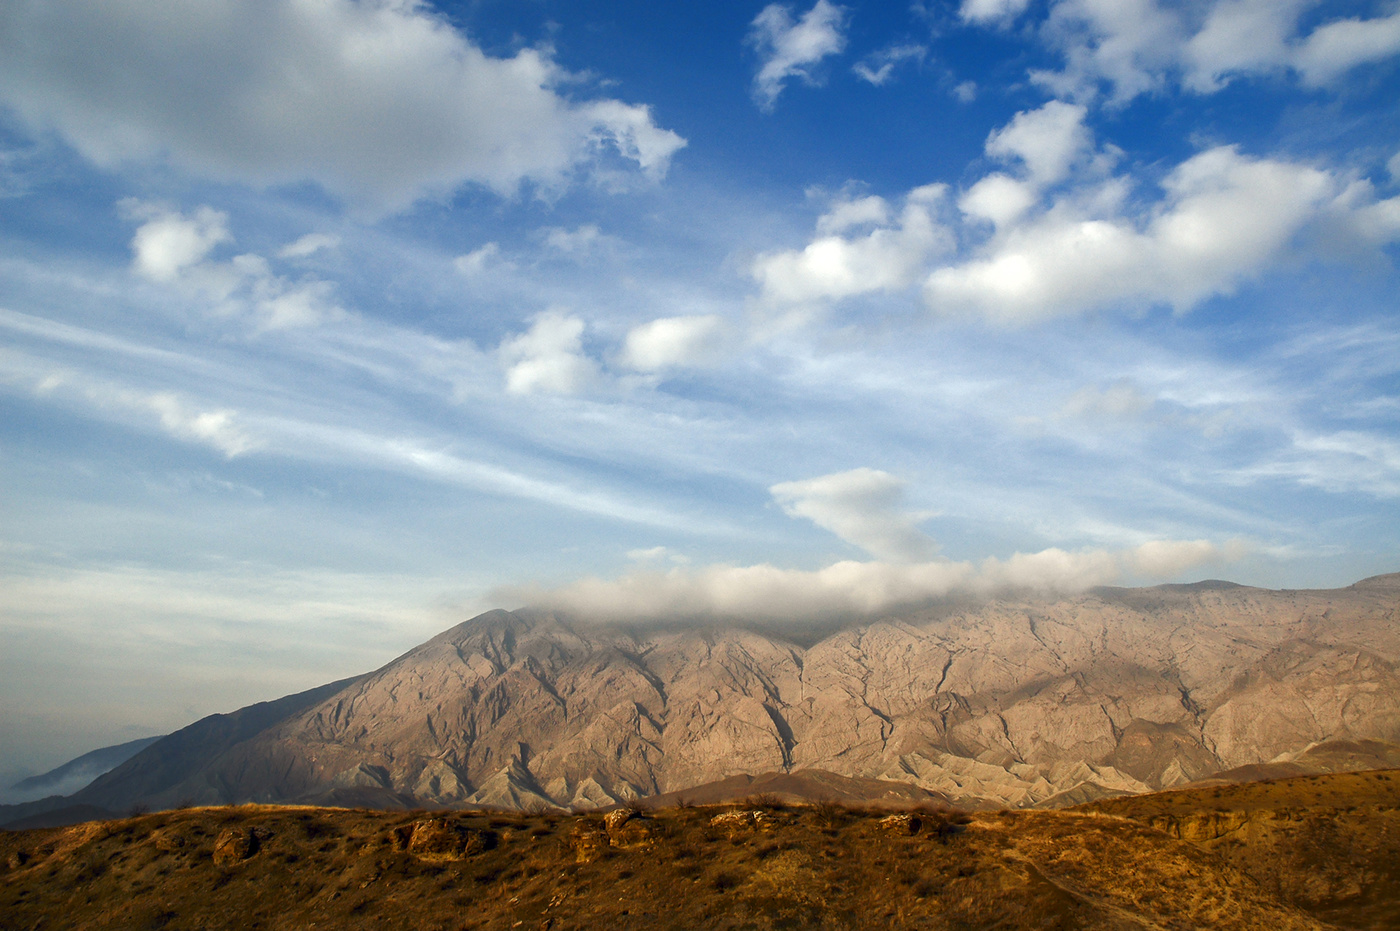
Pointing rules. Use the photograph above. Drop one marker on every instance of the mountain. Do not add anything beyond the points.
(1010, 702)
(78, 772)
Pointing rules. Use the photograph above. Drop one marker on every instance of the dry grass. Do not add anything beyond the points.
(821, 866)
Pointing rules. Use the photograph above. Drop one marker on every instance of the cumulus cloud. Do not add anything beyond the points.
(887, 258)
(1048, 141)
(1225, 217)
(1062, 231)
(1139, 46)
(480, 260)
(1335, 48)
(548, 357)
(864, 507)
(999, 199)
(378, 101)
(991, 11)
(789, 48)
(856, 589)
(671, 342)
(878, 67)
(170, 247)
(168, 242)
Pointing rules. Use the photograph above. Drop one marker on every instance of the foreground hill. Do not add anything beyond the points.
(1016, 702)
(1308, 853)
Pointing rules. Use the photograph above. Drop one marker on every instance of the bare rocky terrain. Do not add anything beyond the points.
(1011, 702)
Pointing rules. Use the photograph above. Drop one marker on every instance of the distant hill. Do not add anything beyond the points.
(1305, 854)
(1017, 701)
(76, 773)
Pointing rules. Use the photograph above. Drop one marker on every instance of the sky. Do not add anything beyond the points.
(327, 324)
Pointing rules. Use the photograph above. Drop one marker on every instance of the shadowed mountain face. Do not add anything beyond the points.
(1006, 703)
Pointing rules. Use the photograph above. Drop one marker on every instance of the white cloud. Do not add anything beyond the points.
(1126, 43)
(548, 357)
(480, 260)
(1337, 47)
(578, 242)
(307, 245)
(1166, 559)
(168, 242)
(846, 589)
(991, 11)
(1225, 217)
(171, 248)
(1340, 462)
(864, 507)
(789, 48)
(965, 92)
(378, 101)
(1239, 37)
(1139, 46)
(674, 341)
(832, 267)
(1071, 235)
(1122, 400)
(1048, 141)
(656, 554)
(861, 211)
(220, 428)
(998, 198)
(877, 67)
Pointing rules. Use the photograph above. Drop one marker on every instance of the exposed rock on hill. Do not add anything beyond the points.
(1013, 702)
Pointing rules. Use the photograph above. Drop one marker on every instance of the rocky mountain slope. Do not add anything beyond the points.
(1009, 702)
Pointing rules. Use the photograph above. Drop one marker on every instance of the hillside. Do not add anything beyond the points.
(755, 864)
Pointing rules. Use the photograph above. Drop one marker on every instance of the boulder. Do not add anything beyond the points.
(442, 839)
(739, 820)
(902, 823)
(234, 845)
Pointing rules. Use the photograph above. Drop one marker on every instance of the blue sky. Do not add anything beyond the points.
(324, 325)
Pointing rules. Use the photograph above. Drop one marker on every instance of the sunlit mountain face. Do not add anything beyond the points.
(326, 326)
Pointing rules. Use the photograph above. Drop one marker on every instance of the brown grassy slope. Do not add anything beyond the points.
(818, 866)
(1328, 844)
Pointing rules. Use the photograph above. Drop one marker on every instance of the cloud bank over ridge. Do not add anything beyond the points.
(851, 589)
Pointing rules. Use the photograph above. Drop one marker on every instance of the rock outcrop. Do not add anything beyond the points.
(1011, 702)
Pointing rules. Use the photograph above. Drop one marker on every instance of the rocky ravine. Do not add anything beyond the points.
(1011, 702)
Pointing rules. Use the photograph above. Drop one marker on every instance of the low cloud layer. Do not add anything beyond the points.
(852, 589)
(379, 102)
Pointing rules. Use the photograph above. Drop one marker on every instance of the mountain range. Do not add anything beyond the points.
(1015, 701)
